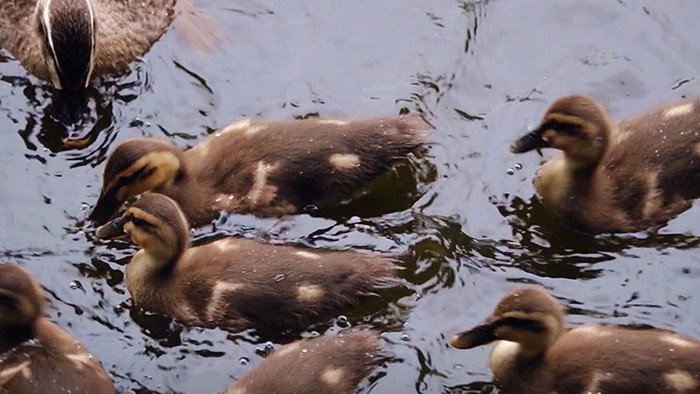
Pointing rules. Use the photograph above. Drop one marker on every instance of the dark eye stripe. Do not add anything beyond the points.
(522, 324)
(141, 223)
(564, 128)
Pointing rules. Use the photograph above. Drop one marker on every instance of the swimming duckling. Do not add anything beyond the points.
(332, 364)
(237, 283)
(36, 355)
(616, 177)
(260, 167)
(68, 41)
(534, 353)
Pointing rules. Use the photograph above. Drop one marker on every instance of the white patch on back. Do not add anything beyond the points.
(307, 255)
(8, 373)
(253, 130)
(652, 200)
(680, 381)
(333, 122)
(226, 245)
(217, 294)
(590, 330)
(291, 348)
(79, 359)
(260, 182)
(344, 161)
(309, 293)
(332, 376)
(596, 378)
(678, 110)
(238, 125)
(677, 340)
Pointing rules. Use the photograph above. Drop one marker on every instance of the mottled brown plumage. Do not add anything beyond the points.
(260, 167)
(122, 31)
(615, 177)
(535, 355)
(37, 356)
(324, 365)
(238, 283)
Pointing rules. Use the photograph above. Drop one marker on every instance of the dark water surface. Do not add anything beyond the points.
(482, 72)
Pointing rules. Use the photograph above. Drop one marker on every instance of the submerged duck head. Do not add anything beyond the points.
(576, 124)
(21, 301)
(156, 224)
(66, 36)
(135, 166)
(529, 317)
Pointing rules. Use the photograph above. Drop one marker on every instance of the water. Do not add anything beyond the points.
(483, 72)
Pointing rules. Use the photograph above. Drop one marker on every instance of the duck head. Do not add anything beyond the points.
(156, 224)
(66, 36)
(136, 166)
(577, 125)
(529, 317)
(21, 302)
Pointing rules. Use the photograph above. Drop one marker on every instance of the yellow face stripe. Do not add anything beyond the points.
(165, 164)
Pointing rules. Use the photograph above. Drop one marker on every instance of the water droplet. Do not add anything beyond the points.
(310, 208)
(518, 166)
(405, 337)
(510, 171)
(76, 285)
(243, 361)
(343, 321)
(279, 277)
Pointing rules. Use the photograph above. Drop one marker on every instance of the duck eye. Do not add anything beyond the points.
(141, 223)
(7, 302)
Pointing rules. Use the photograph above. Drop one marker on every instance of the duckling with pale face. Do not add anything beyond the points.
(260, 167)
(68, 41)
(36, 355)
(535, 354)
(238, 283)
(323, 365)
(625, 176)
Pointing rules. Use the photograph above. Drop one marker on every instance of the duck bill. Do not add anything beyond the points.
(111, 230)
(477, 336)
(528, 142)
(105, 207)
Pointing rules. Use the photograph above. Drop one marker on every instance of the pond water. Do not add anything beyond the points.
(468, 230)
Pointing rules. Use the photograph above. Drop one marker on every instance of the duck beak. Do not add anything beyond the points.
(111, 230)
(105, 207)
(477, 336)
(528, 142)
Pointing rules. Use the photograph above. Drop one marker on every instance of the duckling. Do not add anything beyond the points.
(237, 283)
(333, 364)
(260, 167)
(68, 41)
(36, 355)
(625, 176)
(534, 353)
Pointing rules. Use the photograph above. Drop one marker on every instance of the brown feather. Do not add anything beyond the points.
(241, 283)
(589, 358)
(37, 355)
(333, 365)
(270, 168)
